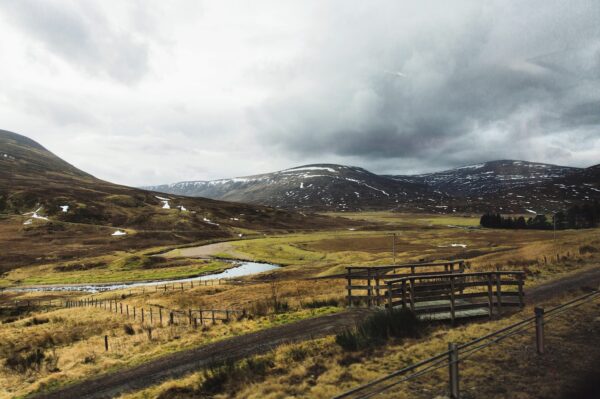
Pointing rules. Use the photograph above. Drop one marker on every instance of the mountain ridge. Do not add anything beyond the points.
(470, 188)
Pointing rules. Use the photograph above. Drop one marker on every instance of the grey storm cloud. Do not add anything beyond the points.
(505, 70)
(149, 91)
(82, 36)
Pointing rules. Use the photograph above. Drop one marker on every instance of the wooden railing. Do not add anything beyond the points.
(372, 279)
(455, 292)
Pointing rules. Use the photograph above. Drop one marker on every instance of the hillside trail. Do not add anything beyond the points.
(181, 363)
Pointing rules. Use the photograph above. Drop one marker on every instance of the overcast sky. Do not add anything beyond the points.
(146, 92)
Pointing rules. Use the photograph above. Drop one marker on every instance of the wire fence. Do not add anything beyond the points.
(451, 360)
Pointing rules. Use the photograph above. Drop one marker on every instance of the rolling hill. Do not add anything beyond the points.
(49, 209)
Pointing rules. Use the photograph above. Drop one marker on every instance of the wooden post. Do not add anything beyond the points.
(106, 343)
(127, 308)
(171, 320)
(412, 294)
(453, 371)
(377, 287)
(521, 301)
(134, 313)
(201, 321)
(151, 318)
(404, 294)
(121, 306)
(349, 279)
(370, 299)
(394, 249)
(190, 316)
(160, 316)
(142, 310)
(490, 296)
(213, 316)
(389, 296)
(539, 330)
(452, 313)
(499, 292)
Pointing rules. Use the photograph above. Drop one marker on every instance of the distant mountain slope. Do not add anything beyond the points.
(500, 186)
(36, 182)
(490, 177)
(317, 186)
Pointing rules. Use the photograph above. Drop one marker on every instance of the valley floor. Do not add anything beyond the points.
(72, 341)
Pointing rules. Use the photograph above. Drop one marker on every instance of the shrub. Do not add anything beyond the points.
(321, 303)
(129, 330)
(587, 249)
(380, 327)
(35, 321)
(23, 362)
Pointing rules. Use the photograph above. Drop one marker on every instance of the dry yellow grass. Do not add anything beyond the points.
(306, 255)
(509, 369)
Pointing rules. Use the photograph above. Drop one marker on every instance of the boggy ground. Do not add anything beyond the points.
(72, 341)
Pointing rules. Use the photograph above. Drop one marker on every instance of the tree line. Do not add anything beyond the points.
(576, 217)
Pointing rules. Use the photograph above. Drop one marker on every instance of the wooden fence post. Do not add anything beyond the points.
(160, 316)
(521, 301)
(389, 296)
(349, 279)
(171, 319)
(369, 288)
(377, 287)
(452, 312)
(453, 371)
(490, 296)
(106, 343)
(499, 292)
(539, 330)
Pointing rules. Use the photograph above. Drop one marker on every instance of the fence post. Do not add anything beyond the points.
(389, 296)
(521, 302)
(349, 280)
(539, 330)
(453, 370)
(106, 343)
(369, 288)
(160, 316)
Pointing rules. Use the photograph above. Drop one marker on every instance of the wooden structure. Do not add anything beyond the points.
(370, 281)
(455, 294)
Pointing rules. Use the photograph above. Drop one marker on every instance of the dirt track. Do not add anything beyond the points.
(179, 364)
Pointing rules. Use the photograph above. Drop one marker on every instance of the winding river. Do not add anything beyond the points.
(243, 269)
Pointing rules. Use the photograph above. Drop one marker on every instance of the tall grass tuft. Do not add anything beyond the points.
(379, 327)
